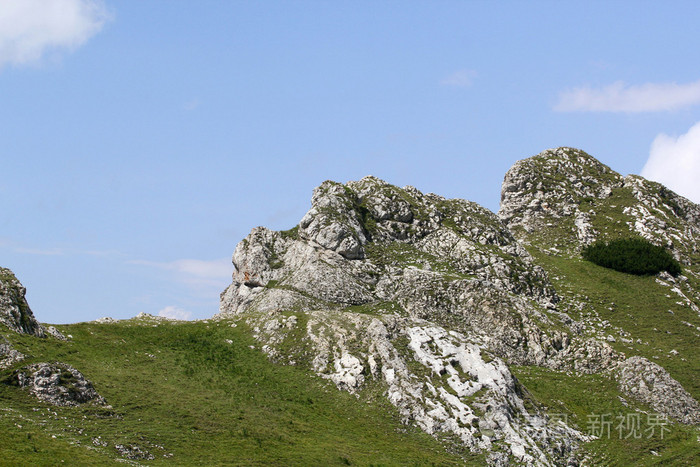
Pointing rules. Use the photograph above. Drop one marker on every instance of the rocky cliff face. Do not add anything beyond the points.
(431, 299)
(14, 310)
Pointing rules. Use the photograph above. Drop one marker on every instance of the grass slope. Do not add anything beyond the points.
(197, 393)
(590, 402)
(645, 319)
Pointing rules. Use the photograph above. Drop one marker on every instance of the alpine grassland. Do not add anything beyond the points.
(198, 393)
(642, 317)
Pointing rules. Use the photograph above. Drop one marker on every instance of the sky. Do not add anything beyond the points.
(140, 141)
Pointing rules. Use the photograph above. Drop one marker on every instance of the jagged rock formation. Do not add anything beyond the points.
(449, 260)
(426, 295)
(14, 310)
(433, 298)
(564, 198)
(57, 383)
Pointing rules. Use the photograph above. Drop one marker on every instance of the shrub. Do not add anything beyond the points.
(633, 256)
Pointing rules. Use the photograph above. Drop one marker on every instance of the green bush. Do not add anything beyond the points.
(633, 256)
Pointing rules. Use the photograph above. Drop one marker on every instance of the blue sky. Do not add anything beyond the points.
(140, 141)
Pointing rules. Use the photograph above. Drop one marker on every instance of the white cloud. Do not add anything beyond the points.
(214, 269)
(31, 28)
(38, 251)
(28, 250)
(620, 97)
(675, 162)
(173, 312)
(200, 275)
(461, 78)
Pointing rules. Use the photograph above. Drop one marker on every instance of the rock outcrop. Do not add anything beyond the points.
(14, 310)
(650, 383)
(450, 260)
(57, 383)
(432, 299)
(428, 296)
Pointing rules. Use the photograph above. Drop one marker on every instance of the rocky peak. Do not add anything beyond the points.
(433, 298)
(551, 186)
(564, 198)
(14, 309)
(375, 277)
(356, 235)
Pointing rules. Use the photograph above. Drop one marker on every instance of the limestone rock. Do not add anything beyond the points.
(58, 384)
(550, 186)
(333, 223)
(14, 310)
(450, 260)
(439, 380)
(105, 320)
(433, 298)
(650, 383)
(52, 331)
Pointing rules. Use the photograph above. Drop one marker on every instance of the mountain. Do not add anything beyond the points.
(454, 334)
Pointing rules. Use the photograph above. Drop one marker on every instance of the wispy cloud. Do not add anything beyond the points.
(195, 272)
(31, 28)
(621, 97)
(173, 312)
(31, 250)
(461, 78)
(675, 162)
(38, 251)
(194, 267)
(191, 104)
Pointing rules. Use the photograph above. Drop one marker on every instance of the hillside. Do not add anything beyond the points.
(559, 201)
(396, 327)
(195, 393)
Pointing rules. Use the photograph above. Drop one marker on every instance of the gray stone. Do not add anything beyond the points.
(14, 310)
(58, 384)
(651, 384)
